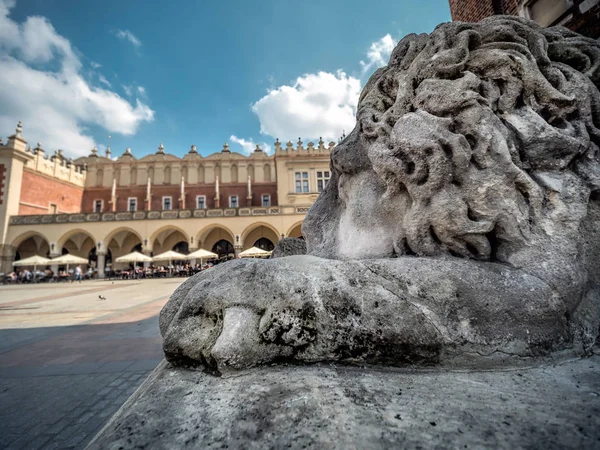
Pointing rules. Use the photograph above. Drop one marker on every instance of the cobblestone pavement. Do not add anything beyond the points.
(69, 359)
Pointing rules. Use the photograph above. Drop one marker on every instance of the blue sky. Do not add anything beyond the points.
(193, 72)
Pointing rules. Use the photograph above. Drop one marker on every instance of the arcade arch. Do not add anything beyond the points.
(212, 234)
(29, 244)
(260, 235)
(295, 231)
(77, 242)
(122, 241)
(168, 237)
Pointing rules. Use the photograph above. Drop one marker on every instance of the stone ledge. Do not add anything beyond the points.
(341, 407)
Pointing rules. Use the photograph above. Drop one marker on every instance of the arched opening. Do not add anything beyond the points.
(262, 233)
(133, 176)
(181, 247)
(77, 242)
(218, 171)
(265, 244)
(119, 243)
(213, 234)
(184, 173)
(166, 239)
(223, 248)
(200, 173)
(117, 176)
(151, 174)
(251, 172)
(33, 245)
(234, 173)
(93, 258)
(267, 172)
(167, 179)
(296, 231)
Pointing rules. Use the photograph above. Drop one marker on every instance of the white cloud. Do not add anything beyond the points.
(378, 54)
(56, 106)
(316, 105)
(248, 145)
(95, 65)
(128, 90)
(142, 91)
(128, 36)
(103, 80)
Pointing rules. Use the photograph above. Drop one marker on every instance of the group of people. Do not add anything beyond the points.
(153, 271)
(78, 274)
(27, 276)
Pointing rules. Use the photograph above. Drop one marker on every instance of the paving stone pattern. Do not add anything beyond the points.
(68, 361)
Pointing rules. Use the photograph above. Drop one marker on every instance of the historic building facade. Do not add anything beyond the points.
(582, 16)
(101, 208)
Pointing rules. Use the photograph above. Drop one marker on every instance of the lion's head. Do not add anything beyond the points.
(479, 140)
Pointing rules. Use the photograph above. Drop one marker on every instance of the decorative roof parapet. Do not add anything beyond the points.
(225, 148)
(193, 149)
(161, 149)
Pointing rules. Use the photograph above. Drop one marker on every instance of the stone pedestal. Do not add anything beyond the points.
(342, 407)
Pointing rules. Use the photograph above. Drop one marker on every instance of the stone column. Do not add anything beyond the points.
(7, 257)
(101, 264)
(147, 252)
(54, 267)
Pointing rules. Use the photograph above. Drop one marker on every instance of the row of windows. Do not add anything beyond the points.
(303, 183)
(167, 203)
(184, 173)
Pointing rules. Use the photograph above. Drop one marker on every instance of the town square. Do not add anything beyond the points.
(322, 225)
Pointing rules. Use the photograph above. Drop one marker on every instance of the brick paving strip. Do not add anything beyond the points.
(64, 295)
(60, 384)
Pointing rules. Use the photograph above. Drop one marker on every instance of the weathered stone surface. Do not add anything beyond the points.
(289, 247)
(422, 311)
(460, 222)
(341, 407)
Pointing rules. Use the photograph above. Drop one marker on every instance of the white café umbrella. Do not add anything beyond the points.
(254, 252)
(133, 257)
(34, 261)
(202, 254)
(171, 255)
(68, 259)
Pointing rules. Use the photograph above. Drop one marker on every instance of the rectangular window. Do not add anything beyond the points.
(53, 209)
(322, 180)
(546, 12)
(132, 204)
(233, 201)
(266, 200)
(167, 203)
(301, 182)
(98, 206)
(201, 202)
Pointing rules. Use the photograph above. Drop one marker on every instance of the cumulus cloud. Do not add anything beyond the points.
(316, 105)
(248, 145)
(41, 84)
(320, 104)
(128, 36)
(378, 54)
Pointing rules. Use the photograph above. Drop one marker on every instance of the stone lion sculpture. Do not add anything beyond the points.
(461, 224)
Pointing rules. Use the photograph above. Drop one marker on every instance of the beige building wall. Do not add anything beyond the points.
(81, 232)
